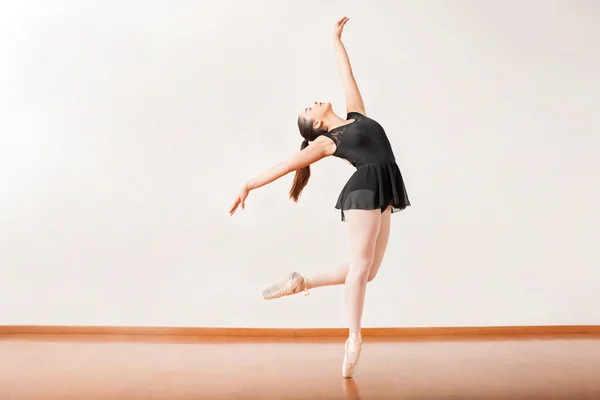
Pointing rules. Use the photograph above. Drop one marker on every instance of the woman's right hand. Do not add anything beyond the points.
(240, 199)
(339, 27)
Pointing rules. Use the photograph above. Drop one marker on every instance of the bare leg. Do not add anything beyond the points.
(363, 229)
(363, 226)
(330, 277)
(337, 275)
(296, 283)
(382, 242)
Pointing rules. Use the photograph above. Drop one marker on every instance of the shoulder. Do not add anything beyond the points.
(355, 115)
(326, 144)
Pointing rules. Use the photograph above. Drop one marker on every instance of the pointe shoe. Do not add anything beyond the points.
(353, 349)
(295, 283)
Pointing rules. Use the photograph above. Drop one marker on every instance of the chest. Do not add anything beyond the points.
(362, 133)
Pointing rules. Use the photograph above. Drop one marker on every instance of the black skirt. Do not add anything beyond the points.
(372, 187)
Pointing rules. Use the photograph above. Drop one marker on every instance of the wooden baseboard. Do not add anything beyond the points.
(300, 333)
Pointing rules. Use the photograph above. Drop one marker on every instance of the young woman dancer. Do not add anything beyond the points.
(373, 192)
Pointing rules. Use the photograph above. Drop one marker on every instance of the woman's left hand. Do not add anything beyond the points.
(339, 27)
(240, 199)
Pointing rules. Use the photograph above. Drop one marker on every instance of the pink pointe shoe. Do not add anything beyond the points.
(351, 356)
(295, 283)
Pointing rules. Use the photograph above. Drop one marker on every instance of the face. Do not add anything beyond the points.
(317, 113)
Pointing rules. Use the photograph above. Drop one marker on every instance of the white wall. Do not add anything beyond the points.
(126, 128)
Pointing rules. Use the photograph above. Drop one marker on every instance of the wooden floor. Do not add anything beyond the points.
(183, 368)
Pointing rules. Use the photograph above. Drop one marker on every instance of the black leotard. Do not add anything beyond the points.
(377, 182)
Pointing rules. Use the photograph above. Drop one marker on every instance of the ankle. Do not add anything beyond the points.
(307, 284)
(356, 337)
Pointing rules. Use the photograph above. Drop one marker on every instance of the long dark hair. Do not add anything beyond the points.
(309, 134)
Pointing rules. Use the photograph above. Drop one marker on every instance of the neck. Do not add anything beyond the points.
(332, 121)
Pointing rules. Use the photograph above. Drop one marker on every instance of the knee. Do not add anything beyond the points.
(373, 272)
(359, 271)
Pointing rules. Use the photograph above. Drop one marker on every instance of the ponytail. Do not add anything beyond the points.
(301, 178)
(303, 174)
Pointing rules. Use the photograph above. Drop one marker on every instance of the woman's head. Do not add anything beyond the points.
(311, 123)
(315, 115)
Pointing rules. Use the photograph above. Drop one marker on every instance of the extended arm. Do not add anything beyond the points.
(354, 101)
(317, 150)
(310, 155)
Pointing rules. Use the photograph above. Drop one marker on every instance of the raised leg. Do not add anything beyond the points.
(337, 275)
(382, 242)
(296, 283)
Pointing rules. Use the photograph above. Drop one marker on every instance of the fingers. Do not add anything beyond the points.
(342, 22)
(234, 206)
(339, 26)
(239, 202)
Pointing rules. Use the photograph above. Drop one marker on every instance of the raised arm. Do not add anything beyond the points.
(317, 150)
(354, 101)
